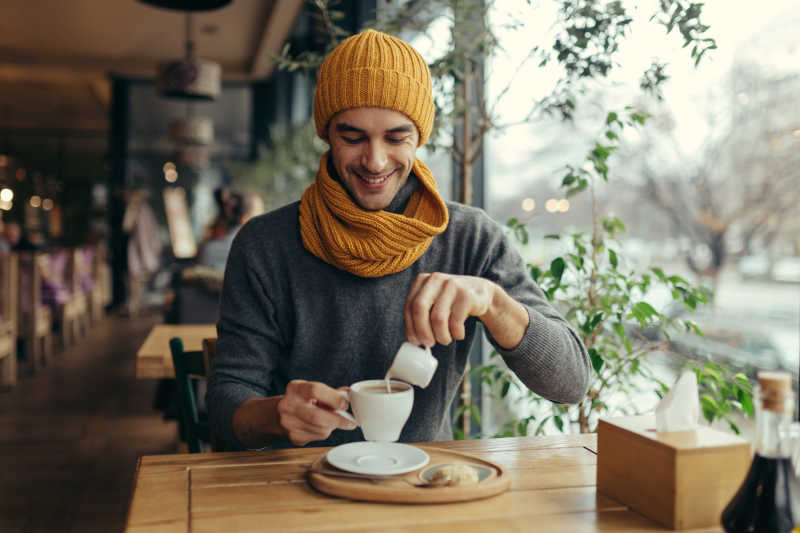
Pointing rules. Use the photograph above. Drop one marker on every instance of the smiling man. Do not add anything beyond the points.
(321, 293)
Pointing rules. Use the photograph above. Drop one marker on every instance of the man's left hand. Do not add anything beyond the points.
(438, 305)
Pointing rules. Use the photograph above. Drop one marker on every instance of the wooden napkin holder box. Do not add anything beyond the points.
(680, 479)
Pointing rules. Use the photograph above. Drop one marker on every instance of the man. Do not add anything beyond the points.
(320, 294)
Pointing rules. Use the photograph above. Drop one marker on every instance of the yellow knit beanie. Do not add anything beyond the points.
(373, 69)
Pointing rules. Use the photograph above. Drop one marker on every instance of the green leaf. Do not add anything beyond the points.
(612, 256)
(597, 359)
(557, 267)
(644, 309)
(746, 400)
(559, 422)
(475, 414)
(611, 117)
(504, 390)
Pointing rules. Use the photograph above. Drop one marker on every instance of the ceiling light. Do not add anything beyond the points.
(171, 176)
(528, 204)
(188, 5)
(35, 201)
(47, 204)
(189, 78)
(192, 130)
(6, 195)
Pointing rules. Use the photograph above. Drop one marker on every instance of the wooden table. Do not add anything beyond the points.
(154, 360)
(552, 490)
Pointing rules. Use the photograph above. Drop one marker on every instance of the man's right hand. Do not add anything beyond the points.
(304, 414)
(306, 411)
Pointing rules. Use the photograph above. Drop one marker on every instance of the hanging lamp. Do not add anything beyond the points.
(192, 130)
(188, 5)
(189, 78)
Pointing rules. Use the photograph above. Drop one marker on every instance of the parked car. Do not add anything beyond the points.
(727, 339)
(787, 269)
(754, 266)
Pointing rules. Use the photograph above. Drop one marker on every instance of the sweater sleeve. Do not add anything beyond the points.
(551, 359)
(249, 341)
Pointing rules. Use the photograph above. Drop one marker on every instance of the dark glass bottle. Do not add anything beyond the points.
(769, 499)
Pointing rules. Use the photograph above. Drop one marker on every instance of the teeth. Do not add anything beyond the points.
(374, 181)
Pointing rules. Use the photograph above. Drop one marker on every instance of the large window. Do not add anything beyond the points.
(708, 188)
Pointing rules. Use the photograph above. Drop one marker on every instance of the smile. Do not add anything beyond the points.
(375, 180)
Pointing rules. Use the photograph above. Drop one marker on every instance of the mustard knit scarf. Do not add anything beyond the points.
(369, 244)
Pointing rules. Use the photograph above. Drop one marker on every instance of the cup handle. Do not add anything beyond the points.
(342, 412)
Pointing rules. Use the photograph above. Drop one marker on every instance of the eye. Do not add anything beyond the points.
(352, 140)
(396, 140)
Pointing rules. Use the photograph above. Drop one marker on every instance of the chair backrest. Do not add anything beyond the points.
(209, 353)
(9, 288)
(189, 365)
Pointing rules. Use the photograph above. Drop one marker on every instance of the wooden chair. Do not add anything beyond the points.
(35, 320)
(209, 353)
(189, 366)
(9, 288)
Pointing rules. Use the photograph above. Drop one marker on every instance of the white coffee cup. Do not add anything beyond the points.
(413, 364)
(380, 415)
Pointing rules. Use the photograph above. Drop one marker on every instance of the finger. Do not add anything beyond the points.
(321, 394)
(420, 308)
(301, 437)
(313, 418)
(441, 312)
(342, 422)
(418, 283)
(459, 313)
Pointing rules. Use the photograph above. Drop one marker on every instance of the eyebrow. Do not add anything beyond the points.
(343, 127)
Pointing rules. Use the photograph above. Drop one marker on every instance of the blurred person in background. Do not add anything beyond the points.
(239, 209)
(144, 246)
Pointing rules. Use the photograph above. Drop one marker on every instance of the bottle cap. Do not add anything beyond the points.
(775, 388)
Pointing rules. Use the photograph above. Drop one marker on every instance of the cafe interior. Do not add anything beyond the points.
(130, 130)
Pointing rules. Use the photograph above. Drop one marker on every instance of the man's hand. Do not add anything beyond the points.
(304, 414)
(439, 304)
(306, 411)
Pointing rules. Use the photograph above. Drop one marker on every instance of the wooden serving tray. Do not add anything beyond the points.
(392, 489)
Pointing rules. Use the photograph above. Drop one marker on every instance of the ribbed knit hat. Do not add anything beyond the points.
(373, 69)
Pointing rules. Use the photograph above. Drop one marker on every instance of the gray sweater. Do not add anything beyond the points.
(285, 314)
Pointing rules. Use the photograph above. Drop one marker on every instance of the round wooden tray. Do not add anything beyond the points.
(392, 489)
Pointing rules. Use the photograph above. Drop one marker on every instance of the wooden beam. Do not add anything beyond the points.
(277, 29)
(55, 124)
(78, 72)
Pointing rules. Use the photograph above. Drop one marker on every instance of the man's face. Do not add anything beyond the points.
(373, 150)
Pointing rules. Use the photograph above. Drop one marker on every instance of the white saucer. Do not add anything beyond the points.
(377, 458)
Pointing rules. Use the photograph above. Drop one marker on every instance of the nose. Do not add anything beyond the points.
(374, 157)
